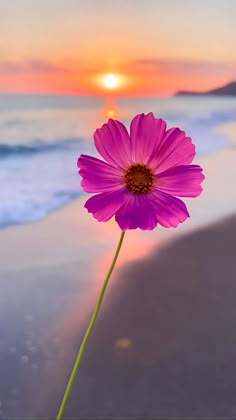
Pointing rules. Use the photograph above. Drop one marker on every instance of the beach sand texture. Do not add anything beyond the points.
(165, 345)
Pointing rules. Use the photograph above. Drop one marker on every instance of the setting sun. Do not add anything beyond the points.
(111, 81)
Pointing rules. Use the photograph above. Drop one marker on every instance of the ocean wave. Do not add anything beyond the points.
(38, 178)
(37, 146)
(33, 211)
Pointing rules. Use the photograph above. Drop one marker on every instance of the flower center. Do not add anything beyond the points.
(139, 178)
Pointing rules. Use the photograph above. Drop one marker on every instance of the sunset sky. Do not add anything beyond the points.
(154, 46)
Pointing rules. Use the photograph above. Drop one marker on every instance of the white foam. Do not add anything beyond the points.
(33, 186)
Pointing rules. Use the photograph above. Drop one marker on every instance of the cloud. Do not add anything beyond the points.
(31, 66)
(183, 67)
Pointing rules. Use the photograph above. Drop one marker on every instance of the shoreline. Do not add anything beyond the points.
(65, 234)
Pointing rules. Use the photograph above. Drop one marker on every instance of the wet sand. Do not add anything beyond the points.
(165, 344)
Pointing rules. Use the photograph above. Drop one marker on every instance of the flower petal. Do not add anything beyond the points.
(176, 149)
(98, 176)
(146, 133)
(113, 143)
(103, 206)
(183, 181)
(170, 211)
(136, 212)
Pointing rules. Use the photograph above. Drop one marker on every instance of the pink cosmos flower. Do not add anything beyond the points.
(143, 175)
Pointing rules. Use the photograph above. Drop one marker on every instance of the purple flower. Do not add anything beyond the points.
(143, 174)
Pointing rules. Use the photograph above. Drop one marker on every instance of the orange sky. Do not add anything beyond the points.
(158, 46)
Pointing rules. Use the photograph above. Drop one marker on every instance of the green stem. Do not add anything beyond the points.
(88, 332)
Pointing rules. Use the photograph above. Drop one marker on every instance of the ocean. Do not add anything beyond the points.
(42, 136)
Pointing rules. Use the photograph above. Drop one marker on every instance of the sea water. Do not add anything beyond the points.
(42, 136)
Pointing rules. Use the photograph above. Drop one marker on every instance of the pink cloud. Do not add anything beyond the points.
(30, 66)
(214, 69)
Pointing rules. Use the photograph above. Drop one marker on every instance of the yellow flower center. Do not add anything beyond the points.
(139, 178)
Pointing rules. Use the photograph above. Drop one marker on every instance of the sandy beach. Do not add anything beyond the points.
(164, 345)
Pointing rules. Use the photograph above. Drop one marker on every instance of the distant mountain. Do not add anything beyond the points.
(227, 90)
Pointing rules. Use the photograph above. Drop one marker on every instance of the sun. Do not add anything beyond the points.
(111, 81)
